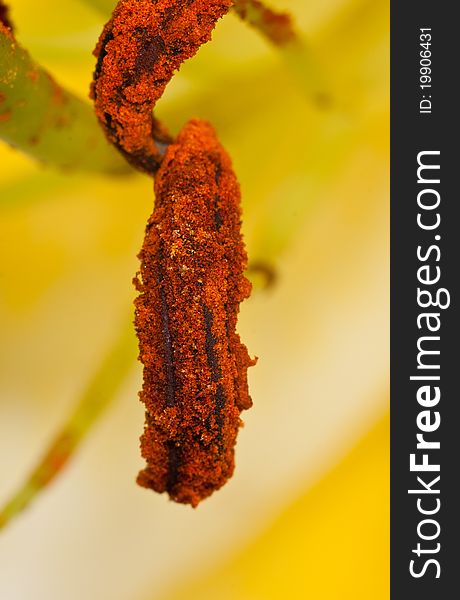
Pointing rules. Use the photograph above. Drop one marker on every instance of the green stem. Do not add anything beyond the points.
(304, 66)
(100, 392)
(278, 28)
(43, 120)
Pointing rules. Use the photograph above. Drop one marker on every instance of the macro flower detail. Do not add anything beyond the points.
(311, 464)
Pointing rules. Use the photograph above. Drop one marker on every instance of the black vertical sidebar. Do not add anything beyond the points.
(425, 327)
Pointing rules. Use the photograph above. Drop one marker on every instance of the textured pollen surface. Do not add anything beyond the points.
(138, 51)
(191, 283)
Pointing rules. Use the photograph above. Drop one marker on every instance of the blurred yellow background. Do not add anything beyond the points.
(306, 514)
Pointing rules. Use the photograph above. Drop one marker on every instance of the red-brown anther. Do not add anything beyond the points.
(138, 51)
(191, 283)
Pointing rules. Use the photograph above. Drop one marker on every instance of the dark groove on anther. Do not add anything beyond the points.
(217, 214)
(100, 59)
(220, 405)
(167, 341)
(174, 461)
(151, 48)
(216, 372)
